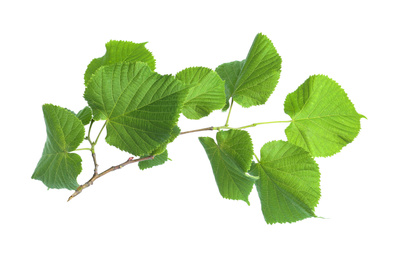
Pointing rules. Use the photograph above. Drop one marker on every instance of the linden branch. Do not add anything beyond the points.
(111, 169)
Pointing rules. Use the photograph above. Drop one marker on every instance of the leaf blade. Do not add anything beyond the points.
(58, 168)
(85, 115)
(321, 110)
(230, 159)
(141, 107)
(229, 72)
(288, 184)
(206, 94)
(120, 51)
(253, 80)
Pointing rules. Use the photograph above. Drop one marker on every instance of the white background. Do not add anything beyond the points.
(175, 211)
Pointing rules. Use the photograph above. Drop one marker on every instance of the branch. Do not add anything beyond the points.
(198, 130)
(111, 169)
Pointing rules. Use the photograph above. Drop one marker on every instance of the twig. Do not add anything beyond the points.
(111, 169)
(198, 130)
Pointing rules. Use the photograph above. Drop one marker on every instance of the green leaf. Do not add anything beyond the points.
(85, 115)
(253, 80)
(230, 72)
(120, 51)
(161, 153)
(207, 92)
(324, 120)
(140, 107)
(58, 168)
(158, 160)
(288, 184)
(230, 159)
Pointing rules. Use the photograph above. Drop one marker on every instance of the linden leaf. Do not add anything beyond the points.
(288, 184)
(229, 72)
(252, 81)
(58, 168)
(140, 107)
(161, 153)
(207, 92)
(158, 160)
(324, 120)
(85, 115)
(230, 159)
(119, 51)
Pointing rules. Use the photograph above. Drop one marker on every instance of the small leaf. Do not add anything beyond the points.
(58, 168)
(288, 184)
(158, 160)
(253, 82)
(119, 51)
(207, 92)
(85, 115)
(324, 120)
(230, 159)
(161, 153)
(141, 107)
(230, 72)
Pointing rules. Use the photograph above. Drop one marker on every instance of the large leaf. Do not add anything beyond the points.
(140, 107)
(58, 168)
(324, 120)
(119, 51)
(230, 159)
(252, 81)
(288, 184)
(207, 92)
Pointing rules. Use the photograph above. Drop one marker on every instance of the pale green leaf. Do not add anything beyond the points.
(230, 159)
(85, 115)
(120, 51)
(253, 82)
(140, 107)
(158, 160)
(58, 168)
(324, 120)
(288, 184)
(207, 92)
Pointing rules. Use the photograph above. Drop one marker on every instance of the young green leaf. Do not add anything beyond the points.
(207, 92)
(230, 159)
(252, 81)
(288, 184)
(324, 120)
(158, 160)
(140, 107)
(229, 72)
(85, 115)
(58, 168)
(119, 51)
